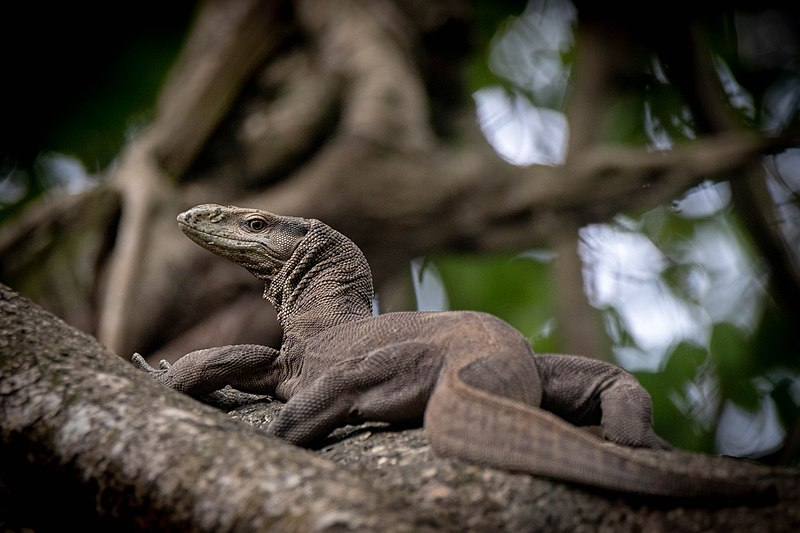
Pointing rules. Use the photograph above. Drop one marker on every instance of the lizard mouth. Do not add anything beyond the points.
(196, 234)
(202, 238)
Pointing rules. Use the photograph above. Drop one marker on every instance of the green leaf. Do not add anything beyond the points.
(730, 351)
(514, 288)
(668, 388)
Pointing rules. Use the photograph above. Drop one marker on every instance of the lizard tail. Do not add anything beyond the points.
(483, 427)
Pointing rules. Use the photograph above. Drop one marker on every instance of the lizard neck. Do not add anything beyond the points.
(326, 282)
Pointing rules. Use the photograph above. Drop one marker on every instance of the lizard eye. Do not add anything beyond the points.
(257, 224)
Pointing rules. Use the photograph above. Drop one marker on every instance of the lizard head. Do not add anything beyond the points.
(259, 241)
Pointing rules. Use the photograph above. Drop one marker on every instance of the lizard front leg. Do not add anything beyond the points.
(585, 391)
(245, 367)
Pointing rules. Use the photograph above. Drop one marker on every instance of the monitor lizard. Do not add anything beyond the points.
(471, 378)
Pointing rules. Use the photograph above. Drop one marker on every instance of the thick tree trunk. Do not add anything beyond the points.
(89, 441)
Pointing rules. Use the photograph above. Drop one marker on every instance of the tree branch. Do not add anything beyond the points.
(129, 450)
(228, 41)
(105, 446)
(368, 44)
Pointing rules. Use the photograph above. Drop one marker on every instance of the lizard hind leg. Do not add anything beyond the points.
(586, 391)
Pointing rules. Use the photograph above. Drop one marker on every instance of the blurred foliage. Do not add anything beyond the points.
(752, 362)
(490, 17)
(99, 124)
(79, 79)
(687, 429)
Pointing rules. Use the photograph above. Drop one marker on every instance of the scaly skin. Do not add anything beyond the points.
(469, 377)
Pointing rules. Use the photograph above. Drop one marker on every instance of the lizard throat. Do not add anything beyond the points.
(325, 282)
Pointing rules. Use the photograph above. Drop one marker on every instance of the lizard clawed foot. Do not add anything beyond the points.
(160, 374)
(139, 362)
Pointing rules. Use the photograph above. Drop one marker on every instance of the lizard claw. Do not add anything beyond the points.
(139, 362)
(164, 364)
(160, 374)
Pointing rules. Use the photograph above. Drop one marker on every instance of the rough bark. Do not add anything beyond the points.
(89, 441)
(86, 436)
